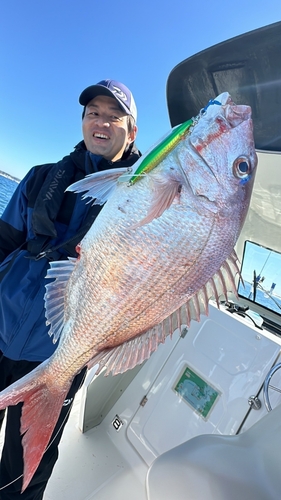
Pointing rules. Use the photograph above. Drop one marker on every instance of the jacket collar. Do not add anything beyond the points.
(61, 175)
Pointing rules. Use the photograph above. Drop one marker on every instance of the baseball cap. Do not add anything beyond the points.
(111, 88)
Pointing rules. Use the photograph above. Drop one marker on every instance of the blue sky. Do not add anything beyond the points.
(50, 51)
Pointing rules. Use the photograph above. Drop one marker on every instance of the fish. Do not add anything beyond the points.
(161, 247)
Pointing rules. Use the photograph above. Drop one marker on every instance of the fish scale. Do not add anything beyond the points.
(165, 286)
(134, 247)
(162, 246)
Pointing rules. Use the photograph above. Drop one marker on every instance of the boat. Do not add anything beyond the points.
(202, 417)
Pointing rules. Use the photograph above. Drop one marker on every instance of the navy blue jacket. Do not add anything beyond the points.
(40, 217)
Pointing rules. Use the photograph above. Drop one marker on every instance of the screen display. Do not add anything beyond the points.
(261, 273)
(197, 392)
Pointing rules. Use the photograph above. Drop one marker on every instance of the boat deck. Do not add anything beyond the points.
(91, 467)
(231, 357)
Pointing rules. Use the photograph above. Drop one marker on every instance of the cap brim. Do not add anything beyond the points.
(95, 90)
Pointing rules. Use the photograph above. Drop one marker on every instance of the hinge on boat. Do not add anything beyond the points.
(183, 332)
(254, 402)
(143, 401)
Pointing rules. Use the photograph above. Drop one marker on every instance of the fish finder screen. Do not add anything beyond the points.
(261, 273)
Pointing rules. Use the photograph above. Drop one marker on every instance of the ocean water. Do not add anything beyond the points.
(262, 298)
(8, 185)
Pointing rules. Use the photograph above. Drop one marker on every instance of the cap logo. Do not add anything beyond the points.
(119, 93)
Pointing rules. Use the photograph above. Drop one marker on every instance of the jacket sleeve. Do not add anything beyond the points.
(13, 223)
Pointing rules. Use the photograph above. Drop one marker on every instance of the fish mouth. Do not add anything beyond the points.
(235, 114)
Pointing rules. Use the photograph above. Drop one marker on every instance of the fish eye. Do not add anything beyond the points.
(241, 167)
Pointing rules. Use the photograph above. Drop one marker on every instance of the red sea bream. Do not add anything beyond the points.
(160, 248)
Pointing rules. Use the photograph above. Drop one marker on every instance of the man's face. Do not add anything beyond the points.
(105, 128)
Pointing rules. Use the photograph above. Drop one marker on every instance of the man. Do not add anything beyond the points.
(43, 223)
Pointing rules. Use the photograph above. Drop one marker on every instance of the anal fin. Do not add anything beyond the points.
(55, 294)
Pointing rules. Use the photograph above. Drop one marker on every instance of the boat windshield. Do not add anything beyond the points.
(261, 277)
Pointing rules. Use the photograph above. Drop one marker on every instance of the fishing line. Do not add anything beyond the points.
(12, 482)
(50, 443)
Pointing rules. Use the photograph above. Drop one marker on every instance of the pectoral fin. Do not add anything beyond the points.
(165, 191)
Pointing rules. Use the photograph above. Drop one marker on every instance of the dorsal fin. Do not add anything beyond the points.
(135, 351)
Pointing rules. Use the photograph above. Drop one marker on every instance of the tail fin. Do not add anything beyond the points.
(40, 412)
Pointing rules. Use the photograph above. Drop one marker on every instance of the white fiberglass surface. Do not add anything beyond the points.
(227, 356)
(92, 466)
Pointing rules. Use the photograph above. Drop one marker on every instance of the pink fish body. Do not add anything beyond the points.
(159, 249)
